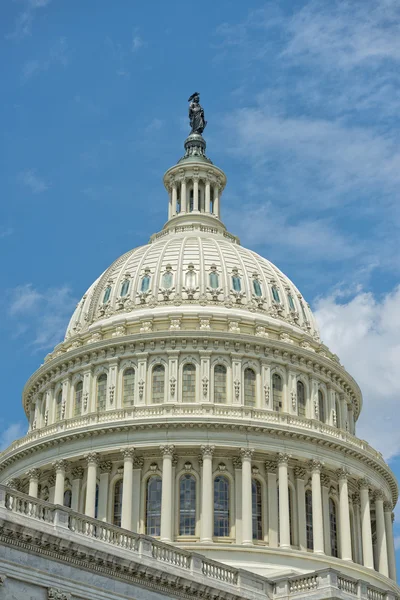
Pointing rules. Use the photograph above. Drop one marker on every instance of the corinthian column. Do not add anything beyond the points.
(284, 519)
(33, 475)
(317, 518)
(207, 494)
(92, 461)
(247, 516)
(271, 468)
(77, 476)
(126, 515)
(366, 532)
(344, 509)
(60, 467)
(381, 543)
(387, 507)
(105, 470)
(166, 493)
(300, 474)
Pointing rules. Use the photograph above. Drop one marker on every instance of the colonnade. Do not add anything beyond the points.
(179, 194)
(278, 507)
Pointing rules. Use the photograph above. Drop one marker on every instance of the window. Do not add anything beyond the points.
(303, 311)
(78, 398)
(153, 506)
(220, 384)
(145, 284)
(214, 280)
(190, 279)
(256, 501)
(309, 523)
(67, 498)
(167, 280)
(249, 387)
(125, 287)
(333, 527)
(337, 410)
(291, 302)
(301, 399)
(187, 505)
(275, 294)
(189, 383)
(221, 506)
(257, 288)
(277, 388)
(236, 282)
(158, 384)
(117, 507)
(321, 407)
(128, 392)
(191, 201)
(59, 403)
(101, 392)
(107, 294)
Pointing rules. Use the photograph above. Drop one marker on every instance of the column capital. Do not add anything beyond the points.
(60, 465)
(92, 458)
(363, 484)
(387, 506)
(300, 472)
(167, 450)
(356, 499)
(127, 453)
(237, 462)
(105, 467)
(207, 451)
(138, 462)
(342, 473)
(246, 453)
(379, 495)
(283, 458)
(77, 473)
(34, 474)
(271, 466)
(325, 480)
(315, 466)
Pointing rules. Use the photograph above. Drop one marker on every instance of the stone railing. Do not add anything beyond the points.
(197, 412)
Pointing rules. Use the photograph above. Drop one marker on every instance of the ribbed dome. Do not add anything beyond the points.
(191, 266)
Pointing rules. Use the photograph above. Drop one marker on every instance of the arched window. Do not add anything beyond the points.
(321, 407)
(107, 294)
(256, 498)
(338, 416)
(275, 294)
(214, 280)
(125, 287)
(190, 278)
(277, 388)
(257, 287)
(221, 506)
(128, 390)
(153, 505)
(236, 281)
(301, 399)
(220, 384)
(249, 387)
(167, 280)
(291, 302)
(333, 527)
(59, 402)
(117, 505)
(101, 391)
(67, 498)
(189, 383)
(145, 283)
(187, 505)
(158, 384)
(309, 523)
(78, 398)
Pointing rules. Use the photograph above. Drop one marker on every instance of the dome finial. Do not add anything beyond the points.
(196, 114)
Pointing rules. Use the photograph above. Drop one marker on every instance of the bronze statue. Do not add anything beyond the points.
(196, 114)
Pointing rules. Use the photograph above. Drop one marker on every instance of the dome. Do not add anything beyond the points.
(192, 270)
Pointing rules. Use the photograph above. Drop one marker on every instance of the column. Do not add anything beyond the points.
(271, 468)
(195, 193)
(52, 483)
(126, 516)
(105, 470)
(174, 197)
(387, 507)
(317, 520)
(166, 494)
(207, 495)
(344, 519)
(247, 508)
(207, 196)
(136, 492)
(381, 543)
(368, 555)
(216, 201)
(183, 196)
(33, 475)
(59, 466)
(170, 203)
(325, 481)
(300, 474)
(77, 476)
(357, 528)
(90, 506)
(284, 520)
(237, 464)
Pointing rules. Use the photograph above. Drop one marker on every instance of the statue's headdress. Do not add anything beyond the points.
(193, 96)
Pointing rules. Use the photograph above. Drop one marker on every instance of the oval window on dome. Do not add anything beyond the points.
(214, 280)
(257, 288)
(275, 293)
(167, 280)
(107, 294)
(291, 302)
(125, 287)
(145, 284)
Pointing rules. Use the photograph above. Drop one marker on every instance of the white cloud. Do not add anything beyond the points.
(137, 43)
(365, 333)
(11, 433)
(57, 55)
(24, 299)
(33, 181)
(24, 21)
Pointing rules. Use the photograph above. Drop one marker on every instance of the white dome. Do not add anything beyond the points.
(190, 257)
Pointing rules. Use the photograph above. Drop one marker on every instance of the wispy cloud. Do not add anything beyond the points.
(57, 55)
(41, 315)
(33, 181)
(10, 433)
(24, 20)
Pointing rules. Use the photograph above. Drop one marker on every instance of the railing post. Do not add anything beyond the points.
(362, 591)
(196, 564)
(3, 498)
(61, 518)
(145, 547)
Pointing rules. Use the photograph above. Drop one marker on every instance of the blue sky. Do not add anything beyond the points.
(302, 101)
